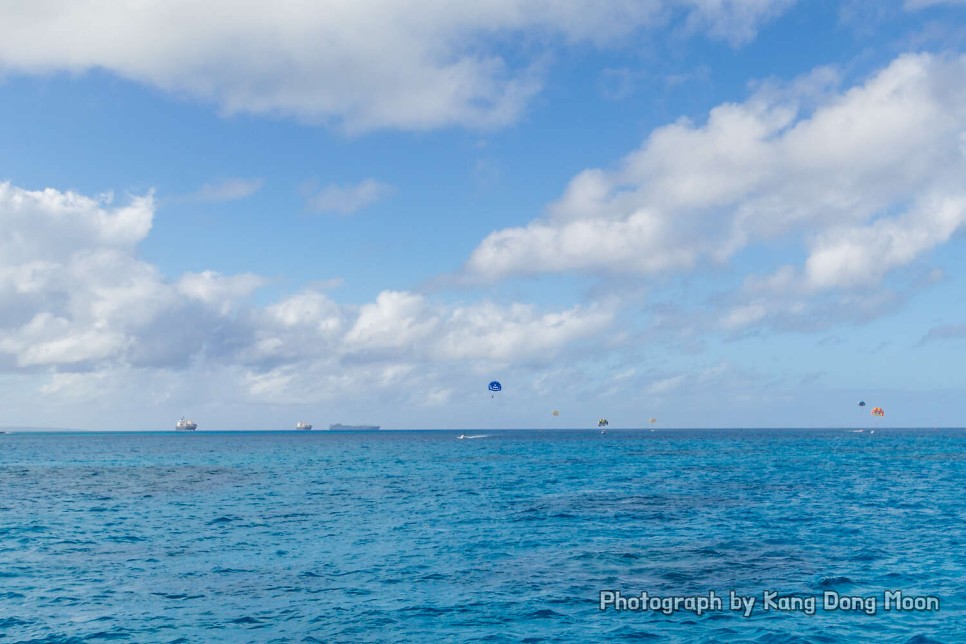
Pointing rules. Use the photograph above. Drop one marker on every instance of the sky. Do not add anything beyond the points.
(714, 213)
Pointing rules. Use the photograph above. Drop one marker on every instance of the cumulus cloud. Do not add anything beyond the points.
(861, 255)
(406, 328)
(75, 301)
(864, 180)
(59, 222)
(74, 295)
(345, 200)
(403, 348)
(358, 65)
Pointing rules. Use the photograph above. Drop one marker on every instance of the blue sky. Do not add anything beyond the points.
(716, 213)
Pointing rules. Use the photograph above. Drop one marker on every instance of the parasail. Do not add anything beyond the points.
(652, 420)
(555, 412)
(602, 422)
(878, 411)
(495, 386)
(861, 403)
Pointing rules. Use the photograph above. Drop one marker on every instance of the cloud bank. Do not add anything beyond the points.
(356, 65)
(861, 181)
(76, 301)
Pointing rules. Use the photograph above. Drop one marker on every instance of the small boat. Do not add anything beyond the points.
(185, 425)
(303, 426)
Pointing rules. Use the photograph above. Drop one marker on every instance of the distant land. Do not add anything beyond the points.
(40, 429)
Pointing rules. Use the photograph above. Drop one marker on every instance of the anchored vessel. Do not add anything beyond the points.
(303, 426)
(185, 425)
(354, 428)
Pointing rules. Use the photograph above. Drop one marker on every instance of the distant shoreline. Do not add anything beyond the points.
(642, 430)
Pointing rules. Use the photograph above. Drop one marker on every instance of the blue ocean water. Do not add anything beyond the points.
(417, 536)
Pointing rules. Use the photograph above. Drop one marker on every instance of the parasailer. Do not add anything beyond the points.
(494, 386)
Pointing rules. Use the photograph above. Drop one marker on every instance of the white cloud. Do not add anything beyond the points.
(914, 5)
(231, 189)
(394, 321)
(360, 65)
(74, 294)
(407, 327)
(866, 181)
(219, 292)
(76, 387)
(519, 332)
(345, 200)
(50, 340)
(75, 300)
(668, 384)
(861, 255)
(67, 268)
(401, 349)
(745, 315)
(735, 21)
(47, 225)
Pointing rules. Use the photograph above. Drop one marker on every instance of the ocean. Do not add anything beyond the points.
(514, 536)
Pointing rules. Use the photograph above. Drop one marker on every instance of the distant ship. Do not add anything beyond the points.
(185, 425)
(354, 428)
(303, 426)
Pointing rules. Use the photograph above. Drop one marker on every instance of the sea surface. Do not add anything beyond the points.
(418, 536)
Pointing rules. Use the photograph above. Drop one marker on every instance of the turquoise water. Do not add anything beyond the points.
(418, 536)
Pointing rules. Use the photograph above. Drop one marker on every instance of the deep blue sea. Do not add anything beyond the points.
(417, 536)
